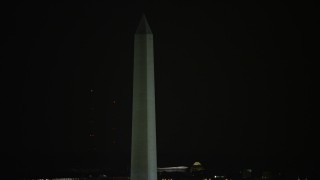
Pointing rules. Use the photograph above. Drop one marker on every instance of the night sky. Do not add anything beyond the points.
(234, 83)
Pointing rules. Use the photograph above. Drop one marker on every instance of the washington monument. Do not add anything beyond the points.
(143, 147)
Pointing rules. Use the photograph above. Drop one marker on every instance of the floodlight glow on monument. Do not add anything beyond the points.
(143, 144)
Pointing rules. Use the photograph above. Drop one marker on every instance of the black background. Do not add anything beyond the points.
(234, 83)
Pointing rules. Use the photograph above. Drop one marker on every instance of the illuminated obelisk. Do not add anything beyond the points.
(143, 147)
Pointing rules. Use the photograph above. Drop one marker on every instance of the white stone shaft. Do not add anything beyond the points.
(143, 147)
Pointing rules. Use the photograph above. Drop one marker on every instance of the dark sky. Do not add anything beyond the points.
(233, 83)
